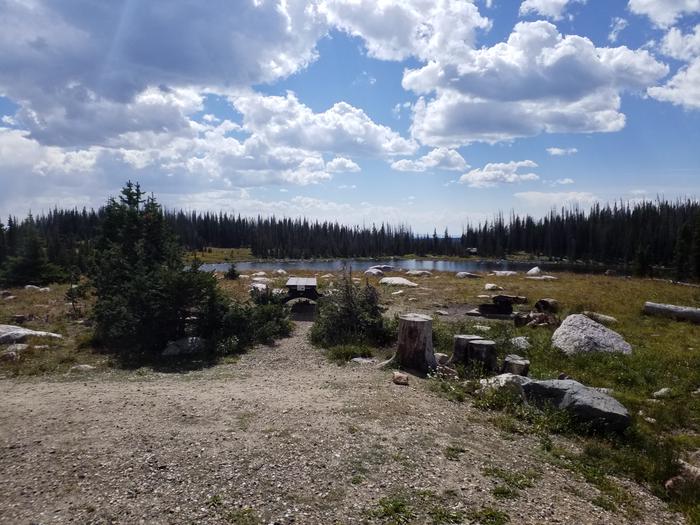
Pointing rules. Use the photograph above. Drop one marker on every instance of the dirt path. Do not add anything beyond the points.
(281, 436)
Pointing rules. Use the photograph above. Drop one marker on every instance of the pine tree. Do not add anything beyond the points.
(695, 249)
(682, 252)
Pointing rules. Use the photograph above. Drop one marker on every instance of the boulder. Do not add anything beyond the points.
(580, 334)
(184, 346)
(397, 281)
(16, 334)
(264, 280)
(261, 287)
(442, 312)
(31, 287)
(585, 404)
(514, 364)
(280, 271)
(509, 299)
(419, 273)
(374, 271)
(441, 359)
(46, 289)
(521, 343)
(534, 271)
(541, 278)
(547, 306)
(399, 378)
(258, 274)
(600, 318)
(662, 394)
(504, 273)
(490, 287)
(327, 276)
(383, 267)
(512, 382)
(467, 275)
(10, 297)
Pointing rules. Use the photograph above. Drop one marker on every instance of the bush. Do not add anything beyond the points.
(231, 274)
(351, 316)
(344, 353)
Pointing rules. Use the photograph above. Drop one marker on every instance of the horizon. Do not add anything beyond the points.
(430, 114)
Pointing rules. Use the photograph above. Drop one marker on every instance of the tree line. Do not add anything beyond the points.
(641, 236)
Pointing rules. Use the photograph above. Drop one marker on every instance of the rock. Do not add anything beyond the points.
(10, 298)
(542, 278)
(695, 392)
(374, 271)
(9, 356)
(600, 318)
(512, 382)
(585, 404)
(19, 319)
(520, 343)
(265, 280)
(490, 287)
(446, 372)
(547, 306)
(662, 394)
(363, 360)
(258, 274)
(689, 475)
(419, 273)
(399, 378)
(482, 328)
(534, 271)
(327, 276)
(441, 359)
(467, 275)
(514, 364)
(17, 334)
(261, 287)
(442, 312)
(383, 267)
(397, 281)
(398, 292)
(509, 299)
(31, 287)
(412, 299)
(244, 276)
(504, 273)
(184, 346)
(45, 289)
(82, 368)
(280, 271)
(17, 347)
(5, 293)
(579, 334)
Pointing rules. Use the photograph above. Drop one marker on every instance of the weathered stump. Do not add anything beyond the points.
(459, 348)
(473, 351)
(415, 348)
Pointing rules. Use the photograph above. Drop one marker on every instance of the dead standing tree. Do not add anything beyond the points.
(415, 347)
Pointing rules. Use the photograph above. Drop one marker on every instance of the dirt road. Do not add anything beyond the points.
(281, 436)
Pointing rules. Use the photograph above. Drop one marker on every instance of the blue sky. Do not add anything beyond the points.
(427, 113)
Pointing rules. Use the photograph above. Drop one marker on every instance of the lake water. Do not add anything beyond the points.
(357, 265)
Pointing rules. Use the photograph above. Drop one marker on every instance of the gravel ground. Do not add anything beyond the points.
(281, 436)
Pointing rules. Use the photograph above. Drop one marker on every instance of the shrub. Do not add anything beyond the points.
(351, 316)
(232, 273)
(344, 353)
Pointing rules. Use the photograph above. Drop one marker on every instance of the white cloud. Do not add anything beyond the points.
(537, 81)
(679, 46)
(398, 29)
(341, 164)
(559, 152)
(617, 26)
(683, 89)
(438, 158)
(494, 173)
(664, 13)
(340, 129)
(543, 200)
(553, 9)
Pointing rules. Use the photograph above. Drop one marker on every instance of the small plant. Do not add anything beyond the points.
(344, 353)
(505, 492)
(243, 517)
(489, 516)
(453, 452)
(442, 516)
(393, 511)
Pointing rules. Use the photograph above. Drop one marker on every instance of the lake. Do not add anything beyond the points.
(438, 265)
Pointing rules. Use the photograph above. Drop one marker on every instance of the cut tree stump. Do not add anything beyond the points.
(415, 348)
(460, 348)
(683, 313)
(471, 350)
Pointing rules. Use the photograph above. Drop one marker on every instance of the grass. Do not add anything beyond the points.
(343, 353)
(453, 452)
(393, 510)
(212, 255)
(489, 516)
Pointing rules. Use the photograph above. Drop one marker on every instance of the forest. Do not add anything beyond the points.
(641, 237)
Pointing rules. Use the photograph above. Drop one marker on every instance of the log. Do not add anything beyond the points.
(547, 306)
(681, 313)
(496, 309)
(459, 348)
(509, 299)
(415, 348)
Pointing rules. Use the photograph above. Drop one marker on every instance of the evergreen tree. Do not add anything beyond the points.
(682, 252)
(31, 265)
(695, 249)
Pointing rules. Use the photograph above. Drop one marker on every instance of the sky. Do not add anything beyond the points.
(432, 114)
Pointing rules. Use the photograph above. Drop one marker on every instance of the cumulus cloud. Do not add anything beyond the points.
(342, 128)
(494, 173)
(537, 81)
(398, 29)
(341, 164)
(560, 152)
(681, 46)
(664, 13)
(553, 9)
(683, 89)
(438, 158)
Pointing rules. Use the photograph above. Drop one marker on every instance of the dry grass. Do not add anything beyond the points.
(220, 255)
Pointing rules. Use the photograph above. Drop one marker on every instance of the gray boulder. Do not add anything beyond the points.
(521, 343)
(510, 382)
(10, 334)
(580, 334)
(585, 404)
(184, 346)
(467, 275)
(82, 368)
(17, 347)
(419, 273)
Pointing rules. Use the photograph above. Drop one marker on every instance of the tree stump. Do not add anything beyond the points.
(459, 348)
(474, 351)
(415, 348)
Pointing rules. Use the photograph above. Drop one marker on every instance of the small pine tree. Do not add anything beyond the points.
(31, 265)
(682, 251)
(232, 273)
